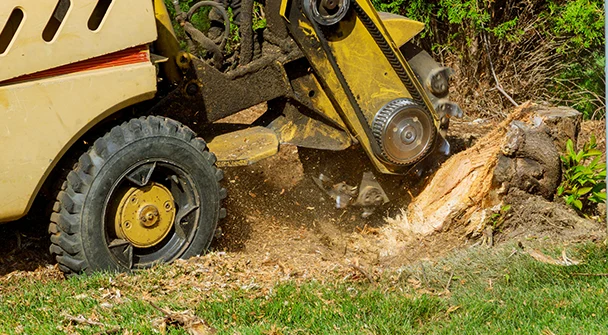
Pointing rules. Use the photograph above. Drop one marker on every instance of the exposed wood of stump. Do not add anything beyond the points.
(514, 155)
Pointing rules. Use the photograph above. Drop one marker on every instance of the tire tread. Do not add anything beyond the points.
(64, 228)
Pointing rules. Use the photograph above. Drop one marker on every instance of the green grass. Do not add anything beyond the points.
(489, 293)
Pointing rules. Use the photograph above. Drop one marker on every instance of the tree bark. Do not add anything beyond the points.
(564, 124)
(528, 160)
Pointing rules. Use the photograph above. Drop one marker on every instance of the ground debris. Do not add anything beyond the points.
(290, 231)
(541, 257)
(186, 320)
(578, 274)
(43, 273)
(360, 269)
(83, 321)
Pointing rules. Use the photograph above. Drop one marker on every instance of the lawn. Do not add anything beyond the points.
(482, 291)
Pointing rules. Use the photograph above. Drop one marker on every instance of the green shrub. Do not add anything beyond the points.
(523, 37)
(584, 176)
(581, 21)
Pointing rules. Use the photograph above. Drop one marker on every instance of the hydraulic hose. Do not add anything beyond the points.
(222, 11)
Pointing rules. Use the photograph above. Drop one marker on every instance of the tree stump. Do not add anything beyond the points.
(520, 153)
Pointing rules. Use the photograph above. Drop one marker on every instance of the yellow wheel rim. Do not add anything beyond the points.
(145, 215)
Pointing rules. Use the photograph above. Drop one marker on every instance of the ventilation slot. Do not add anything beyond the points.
(99, 13)
(56, 20)
(10, 30)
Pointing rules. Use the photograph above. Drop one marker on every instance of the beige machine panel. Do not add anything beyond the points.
(122, 24)
(40, 120)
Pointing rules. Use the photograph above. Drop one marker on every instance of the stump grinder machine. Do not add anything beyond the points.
(98, 99)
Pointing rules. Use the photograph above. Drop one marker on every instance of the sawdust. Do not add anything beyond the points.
(282, 227)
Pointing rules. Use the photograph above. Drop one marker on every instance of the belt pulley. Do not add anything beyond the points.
(404, 131)
(326, 12)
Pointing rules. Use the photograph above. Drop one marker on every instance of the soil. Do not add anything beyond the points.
(533, 217)
(282, 226)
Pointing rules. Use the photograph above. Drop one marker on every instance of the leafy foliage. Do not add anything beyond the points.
(259, 20)
(584, 179)
(497, 219)
(547, 49)
(581, 21)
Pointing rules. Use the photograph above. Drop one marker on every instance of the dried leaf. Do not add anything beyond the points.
(452, 309)
(82, 320)
(186, 319)
(539, 256)
(414, 282)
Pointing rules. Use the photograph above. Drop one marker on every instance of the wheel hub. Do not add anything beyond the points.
(145, 215)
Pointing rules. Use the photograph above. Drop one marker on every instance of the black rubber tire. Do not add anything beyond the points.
(78, 237)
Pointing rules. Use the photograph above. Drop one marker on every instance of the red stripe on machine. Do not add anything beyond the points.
(134, 55)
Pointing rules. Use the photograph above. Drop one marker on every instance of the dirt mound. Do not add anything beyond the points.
(532, 216)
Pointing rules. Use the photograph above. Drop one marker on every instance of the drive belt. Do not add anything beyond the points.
(390, 55)
(346, 87)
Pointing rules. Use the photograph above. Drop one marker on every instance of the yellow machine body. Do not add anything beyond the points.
(44, 114)
(59, 80)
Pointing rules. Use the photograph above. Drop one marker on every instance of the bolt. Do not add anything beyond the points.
(168, 206)
(329, 5)
(127, 225)
(192, 89)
